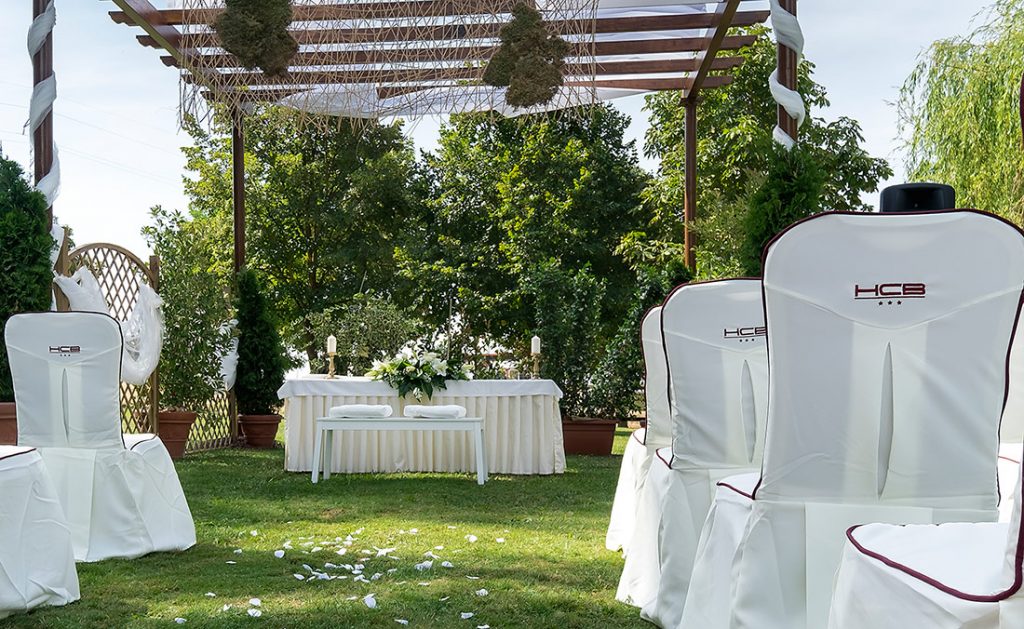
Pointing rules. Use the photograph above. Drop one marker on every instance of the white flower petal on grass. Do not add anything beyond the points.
(279, 554)
(316, 549)
(444, 598)
(423, 583)
(472, 578)
(370, 601)
(225, 608)
(384, 552)
(392, 570)
(447, 564)
(254, 613)
(376, 575)
(180, 621)
(438, 547)
(483, 627)
(210, 595)
(471, 539)
(401, 621)
(255, 602)
(358, 566)
(466, 615)
(352, 598)
(341, 551)
(299, 576)
(500, 540)
(430, 554)
(254, 532)
(425, 565)
(231, 563)
(414, 531)
(238, 551)
(482, 592)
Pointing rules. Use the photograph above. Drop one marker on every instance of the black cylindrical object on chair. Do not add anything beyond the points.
(917, 197)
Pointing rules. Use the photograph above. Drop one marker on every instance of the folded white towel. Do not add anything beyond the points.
(361, 410)
(435, 412)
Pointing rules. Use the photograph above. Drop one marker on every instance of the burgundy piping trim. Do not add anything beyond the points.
(768, 339)
(664, 346)
(1006, 458)
(668, 463)
(735, 489)
(11, 456)
(141, 441)
(120, 365)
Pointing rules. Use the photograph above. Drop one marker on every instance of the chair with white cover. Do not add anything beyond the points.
(887, 360)
(640, 448)
(718, 369)
(945, 576)
(120, 494)
(37, 564)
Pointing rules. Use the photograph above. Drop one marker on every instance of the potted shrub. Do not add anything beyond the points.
(194, 309)
(261, 364)
(25, 270)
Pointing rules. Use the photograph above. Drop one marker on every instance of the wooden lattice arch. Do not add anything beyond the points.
(119, 273)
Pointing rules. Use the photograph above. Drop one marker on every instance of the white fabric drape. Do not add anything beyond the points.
(888, 367)
(522, 427)
(37, 564)
(640, 449)
(121, 495)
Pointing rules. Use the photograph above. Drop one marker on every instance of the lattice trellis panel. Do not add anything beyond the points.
(119, 273)
(216, 426)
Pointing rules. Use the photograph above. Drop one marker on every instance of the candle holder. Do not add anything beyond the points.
(330, 365)
(536, 367)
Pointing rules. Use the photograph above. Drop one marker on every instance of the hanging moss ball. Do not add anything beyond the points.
(256, 32)
(529, 60)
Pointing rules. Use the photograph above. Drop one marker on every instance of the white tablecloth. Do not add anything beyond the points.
(522, 427)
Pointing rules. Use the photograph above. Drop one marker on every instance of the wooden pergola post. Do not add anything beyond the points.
(42, 138)
(238, 185)
(787, 62)
(690, 183)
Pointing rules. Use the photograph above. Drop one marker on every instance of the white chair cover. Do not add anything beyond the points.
(37, 564)
(888, 361)
(718, 368)
(636, 460)
(121, 496)
(638, 584)
(947, 576)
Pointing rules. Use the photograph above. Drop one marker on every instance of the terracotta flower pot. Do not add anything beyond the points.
(8, 424)
(173, 428)
(589, 436)
(259, 430)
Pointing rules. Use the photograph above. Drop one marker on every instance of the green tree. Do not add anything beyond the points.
(25, 246)
(325, 207)
(735, 145)
(509, 196)
(261, 358)
(960, 116)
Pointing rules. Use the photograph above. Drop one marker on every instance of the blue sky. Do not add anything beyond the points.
(116, 121)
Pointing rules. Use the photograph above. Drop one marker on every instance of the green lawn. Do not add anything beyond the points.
(551, 571)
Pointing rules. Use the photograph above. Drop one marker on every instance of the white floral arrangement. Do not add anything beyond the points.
(417, 370)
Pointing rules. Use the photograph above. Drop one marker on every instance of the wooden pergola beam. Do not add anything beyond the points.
(710, 54)
(147, 17)
(424, 74)
(471, 53)
(451, 32)
(407, 9)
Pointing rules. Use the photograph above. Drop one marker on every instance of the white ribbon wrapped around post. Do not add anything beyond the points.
(789, 34)
(43, 95)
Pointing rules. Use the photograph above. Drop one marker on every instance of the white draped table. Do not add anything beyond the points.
(522, 427)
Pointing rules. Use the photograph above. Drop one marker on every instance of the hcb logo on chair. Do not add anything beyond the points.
(65, 350)
(893, 290)
(745, 334)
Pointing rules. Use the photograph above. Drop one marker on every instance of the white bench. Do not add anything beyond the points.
(325, 427)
